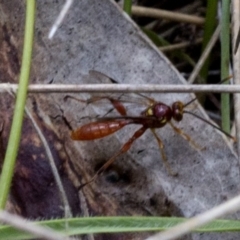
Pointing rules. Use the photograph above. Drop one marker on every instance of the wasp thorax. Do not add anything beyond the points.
(162, 112)
(177, 111)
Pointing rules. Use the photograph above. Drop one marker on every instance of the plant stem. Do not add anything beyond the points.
(15, 133)
(127, 7)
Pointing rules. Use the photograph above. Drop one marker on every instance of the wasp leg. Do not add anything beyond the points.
(124, 149)
(164, 157)
(184, 135)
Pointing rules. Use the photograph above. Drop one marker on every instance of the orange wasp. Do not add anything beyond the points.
(156, 115)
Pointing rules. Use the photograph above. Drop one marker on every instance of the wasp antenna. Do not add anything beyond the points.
(216, 127)
(225, 79)
(186, 104)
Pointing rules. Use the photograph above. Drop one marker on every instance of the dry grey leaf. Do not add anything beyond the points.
(95, 35)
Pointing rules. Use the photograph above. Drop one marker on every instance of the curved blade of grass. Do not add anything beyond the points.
(15, 133)
(115, 225)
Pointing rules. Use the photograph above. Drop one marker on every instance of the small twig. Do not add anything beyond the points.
(123, 88)
(177, 46)
(205, 54)
(60, 18)
(236, 69)
(30, 227)
(163, 14)
(57, 178)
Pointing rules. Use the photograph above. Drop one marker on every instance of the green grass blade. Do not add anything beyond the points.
(15, 133)
(209, 28)
(225, 59)
(127, 7)
(117, 224)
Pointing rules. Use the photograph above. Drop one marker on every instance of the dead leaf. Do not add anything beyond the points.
(97, 36)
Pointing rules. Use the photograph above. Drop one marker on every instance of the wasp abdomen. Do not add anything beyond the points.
(96, 130)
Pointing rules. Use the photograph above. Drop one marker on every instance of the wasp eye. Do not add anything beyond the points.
(177, 111)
